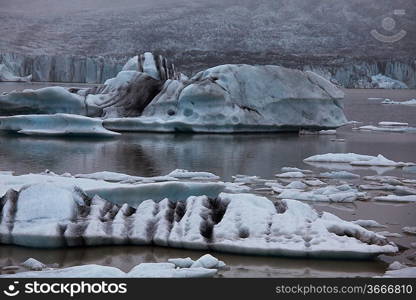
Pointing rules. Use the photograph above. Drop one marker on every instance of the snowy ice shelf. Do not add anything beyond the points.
(49, 215)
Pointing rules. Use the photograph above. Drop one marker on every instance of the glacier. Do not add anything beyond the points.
(50, 215)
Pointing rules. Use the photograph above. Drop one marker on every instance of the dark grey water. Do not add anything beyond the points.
(150, 154)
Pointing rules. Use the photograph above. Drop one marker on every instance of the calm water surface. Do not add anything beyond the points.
(150, 154)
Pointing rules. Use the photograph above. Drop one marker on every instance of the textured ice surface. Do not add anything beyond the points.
(383, 82)
(396, 198)
(340, 175)
(33, 264)
(243, 98)
(408, 102)
(55, 125)
(408, 272)
(47, 100)
(235, 223)
(356, 160)
(368, 223)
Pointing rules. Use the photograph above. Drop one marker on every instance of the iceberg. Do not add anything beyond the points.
(49, 215)
(342, 193)
(55, 125)
(384, 82)
(241, 98)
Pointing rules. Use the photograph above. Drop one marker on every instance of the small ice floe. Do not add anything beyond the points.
(356, 160)
(389, 234)
(369, 224)
(342, 193)
(246, 179)
(377, 187)
(185, 174)
(338, 140)
(33, 264)
(389, 127)
(375, 99)
(395, 198)
(292, 169)
(396, 266)
(409, 230)
(120, 177)
(320, 132)
(51, 216)
(144, 270)
(299, 185)
(291, 175)
(275, 186)
(340, 175)
(406, 272)
(408, 102)
(381, 81)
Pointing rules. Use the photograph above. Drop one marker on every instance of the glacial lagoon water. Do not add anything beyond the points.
(151, 154)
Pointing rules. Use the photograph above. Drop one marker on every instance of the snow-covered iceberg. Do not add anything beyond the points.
(48, 215)
(55, 125)
(241, 98)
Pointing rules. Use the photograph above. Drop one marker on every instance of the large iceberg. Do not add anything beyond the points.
(49, 215)
(55, 125)
(241, 98)
(7, 75)
(49, 100)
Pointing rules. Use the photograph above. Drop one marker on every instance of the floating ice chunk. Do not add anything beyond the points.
(33, 264)
(320, 132)
(245, 179)
(375, 99)
(49, 100)
(395, 198)
(341, 193)
(296, 185)
(368, 223)
(120, 177)
(291, 175)
(380, 160)
(389, 234)
(181, 262)
(385, 123)
(409, 230)
(314, 182)
(340, 175)
(217, 100)
(85, 271)
(396, 266)
(236, 223)
(168, 270)
(408, 272)
(391, 180)
(7, 75)
(291, 169)
(55, 125)
(384, 82)
(408, 102)
(208, 262)
(184, 174)
(338, 158)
